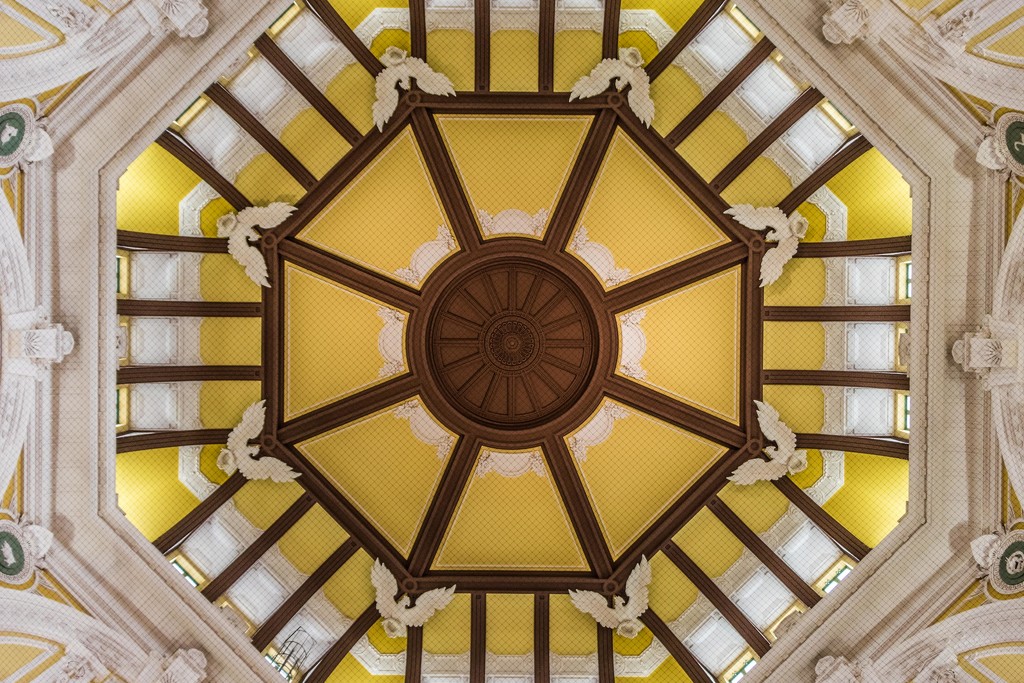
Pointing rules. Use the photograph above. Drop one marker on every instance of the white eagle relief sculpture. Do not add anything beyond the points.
(786, 230)
(399, 69)
(623, 615)
(397, 614)
(240, 230)
(628, 69)
(783, 457)
(239, 455)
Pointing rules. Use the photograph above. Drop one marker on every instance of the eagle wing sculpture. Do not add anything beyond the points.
(786, 230)
(238, 454)
(240, 229)
(399, 69)
(623, 615)
(397, 614)
(783, 457)
(7, 552)
(618, 73)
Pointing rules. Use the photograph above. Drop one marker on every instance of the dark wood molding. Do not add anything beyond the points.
(272, 52)
(839, 534)
(752, 336)
(768, 557)
(546, 47)
(442, 506)
(714, 99)
(851, 150)
(482, 44)
(707, 11)
(690, 665)
(184, 152)
(889, 447)
(264, 635)
(127, 239)
(343, 32)
(510, 582)
(176, 535)
(418, 28)
(141, 374)
(884, 246)
(330, 660)
(610, 32)
(248, 557)
(498, 103)
(739, 621)
(414, 654)
(675, 412)
(144, 441)
(843, 378)
(676, 276)
(273, 340)
(188, 309)
(581, 180)
(783, 122)
(605, 655)
(541, 638)
(838, 313)
(478, 639)
(446, 180)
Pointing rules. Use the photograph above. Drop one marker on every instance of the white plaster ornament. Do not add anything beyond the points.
(23, 546)
(397, 614)
(786, 230)
(783, 458)
(1002, 148)
(399, 70)
(23, 138)
(239, 455)
(629, 70)
(849, 20)
(623, 615)
(240, 230)
(513, 222)
(1001, 556)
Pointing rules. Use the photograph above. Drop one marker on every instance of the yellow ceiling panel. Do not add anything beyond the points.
(447, 632)
(802, 284)
(452, 53)
(385, 215)
(315, 310)
(759, 505)
(384, 643)
(511, 496)
(311, 540)
(513, 163)
(640, 216)
(572, 631)
(350, 590)
(671, 593)
(709, 543)
(675, 94)
(692, 344)
(663, 462)
(514, 61)
(353, 458)
(262, 501)
(576, 53)
(510, 624)
(142, 477)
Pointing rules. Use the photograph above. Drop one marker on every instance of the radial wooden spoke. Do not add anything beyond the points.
(349, 274)
(690, 665)
(223, 98)
(561, 363)
(707, 11)
(188, 309)
(144, 441)
(418, 28)
(442, 507)
(752, 334)
(546, 46)
(510, 582)
(675, 412)
(461, 362)
(605, 655)
(581, 180)
(482, 44)
(298, 80)
(273, 343)
(793, 113)
(675, 277)
(177, 534)
(838, 313)
(577, 504)
(492, 294)
(846, 378)
(556, 325)
(330, 660)
(446, 179)
(839, 534)
(141, 374)
(720, 92)
(508, 104)
(350, 408)
(414, 654)
(343, 32)
(127, 239)
(886, 446)
(840, 159)
(184, 152)
(885, 246)
(478, 639)
(541, 638)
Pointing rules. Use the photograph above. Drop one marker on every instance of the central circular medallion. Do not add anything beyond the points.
(512, 343)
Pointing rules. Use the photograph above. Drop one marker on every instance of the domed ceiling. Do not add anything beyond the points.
(512, 341)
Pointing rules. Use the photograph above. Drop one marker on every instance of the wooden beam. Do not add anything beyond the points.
(610, 32)
(842, 378)
(541, 638)
(330, 660)
(675, 412)
(883, 445)
(546, 47)
(264, 635)
(752, 334)
(184, 152)
(783, 122)
(127, 239)
(272, 344)
(851, 150)
(885, 246)
(326, 13)
(707, 11)
(666, 280)
(605, 655)
(223, 98)
(838, 313)
(188, 309)
(498, 103)
(273, 53)
(581, 180)
(536, 582)
(720, 92)
(141, 374)
(690, 665)
(418, 28)
(414, 654)
(446, 180)
(177, 534)
(577, 504)
(144, 441)
(478, 639)
(768, 557)
(248, 557)
(828, 524)
(750, 633)
(482, 44)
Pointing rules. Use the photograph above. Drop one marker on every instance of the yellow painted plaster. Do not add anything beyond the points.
(1004, 666)
(447, 632)
(509, 624)
(671, 593)
(675, 94)
(762, 183)
(794, 345)
(353, 92)
(814, 471)
(759, 505)
(391, 38)
(149, 191)
(351, 671)
(311, 540)
(262, 501)
(1011, 45)
(222, 403)
(709, 543)
(350, 589)
(514, 65)
(263, 181)
(14, 656)
(576, 53)
(210, 213)
(222, 279)
(148, 490)
(572, 632)
(15, 34)
(642, 41)
(208, 464)
(230, 341)
(384, 643)
(873, 498)
(801, 407)
(631, 647)
(713, 144)
(816, 223)
(314, 142)
(452, 53)
(802, 284)
(876, 196)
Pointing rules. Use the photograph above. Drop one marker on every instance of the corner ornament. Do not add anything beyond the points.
(399, 70)
(1000, 555)
(23, 137)
(240, 230)
(186, 18)
(851, 20)
(239, 455)
(624, 614)
(783, 458)
(1002, 149)
(628, 69)
(786, 230)
(23, 547)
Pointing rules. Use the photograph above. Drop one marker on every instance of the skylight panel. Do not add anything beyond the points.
(809, 552)
(257, 594)
(813, 138)
(722, 44)
(211, 548)
(763, 598)
(768, 91)
(715, 643)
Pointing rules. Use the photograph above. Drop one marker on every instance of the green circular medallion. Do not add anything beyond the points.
(1015, 140)
(12, 555)
(12, 132)
(1011, 564)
